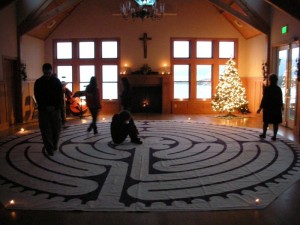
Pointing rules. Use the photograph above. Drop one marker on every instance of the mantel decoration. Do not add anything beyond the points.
(145, 70)
(143, 9)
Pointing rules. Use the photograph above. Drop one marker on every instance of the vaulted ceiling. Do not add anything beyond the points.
(43, 21)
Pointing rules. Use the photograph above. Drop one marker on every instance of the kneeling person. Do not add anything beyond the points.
(122, 125)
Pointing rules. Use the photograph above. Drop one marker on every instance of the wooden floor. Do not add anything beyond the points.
(285, 210)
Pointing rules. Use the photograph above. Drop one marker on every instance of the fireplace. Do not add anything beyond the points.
(147, 99)
(151, 93)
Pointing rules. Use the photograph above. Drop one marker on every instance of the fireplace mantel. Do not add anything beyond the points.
(141, 80)
(154, 80)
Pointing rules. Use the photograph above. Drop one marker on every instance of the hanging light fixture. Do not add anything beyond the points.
(143, 9)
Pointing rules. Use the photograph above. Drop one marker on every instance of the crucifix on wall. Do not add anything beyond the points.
(145, 38)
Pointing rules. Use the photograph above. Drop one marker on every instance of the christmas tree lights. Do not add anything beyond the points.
(230, 94)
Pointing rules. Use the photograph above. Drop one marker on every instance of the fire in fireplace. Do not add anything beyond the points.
(147, 99)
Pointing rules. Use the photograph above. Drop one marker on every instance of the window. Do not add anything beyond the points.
(197, 64)
(226, 49)
(221, 69)
(85, 74)
(64, 50)
(86, 50)
(181, 81)
(110, 82)
(181, 49)
(204, 49)
(204, 81)
(109, 49)
(77, 60)
(64, 73)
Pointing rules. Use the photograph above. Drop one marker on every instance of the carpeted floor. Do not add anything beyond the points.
(182, 165)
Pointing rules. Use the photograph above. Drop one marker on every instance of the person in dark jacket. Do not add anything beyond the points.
(48, 95)
(272, 106)
(122, 125)
(93, 103)
(127, 94)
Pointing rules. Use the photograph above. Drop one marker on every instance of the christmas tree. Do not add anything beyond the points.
(230, 93)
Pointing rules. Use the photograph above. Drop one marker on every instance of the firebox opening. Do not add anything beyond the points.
(147, 100)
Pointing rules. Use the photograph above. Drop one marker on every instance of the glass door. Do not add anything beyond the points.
(287, 58)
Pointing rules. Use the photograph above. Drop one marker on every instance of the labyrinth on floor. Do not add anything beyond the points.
(182, 165)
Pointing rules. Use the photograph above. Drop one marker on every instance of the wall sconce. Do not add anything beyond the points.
(164, 70)
(125, 70)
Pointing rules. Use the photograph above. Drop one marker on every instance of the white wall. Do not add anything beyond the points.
(255, 55)
(33, 55)
(93, 19)
(280, 19)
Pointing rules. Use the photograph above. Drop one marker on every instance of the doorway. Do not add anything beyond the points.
(13, 91)
(287, 58)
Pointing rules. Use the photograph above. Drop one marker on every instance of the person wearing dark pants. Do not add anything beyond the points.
(50, 126)
(272, 106)
(93, 103)
(122, 126)
(48, 95)
(127, 94)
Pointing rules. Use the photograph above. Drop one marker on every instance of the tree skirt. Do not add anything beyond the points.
(182, 165)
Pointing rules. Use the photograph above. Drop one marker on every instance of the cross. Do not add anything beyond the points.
(145, 38)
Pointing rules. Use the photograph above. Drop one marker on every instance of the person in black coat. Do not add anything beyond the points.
(122, 125)
(272, 106)
(48, 94)
(93, 102)
(127, 94)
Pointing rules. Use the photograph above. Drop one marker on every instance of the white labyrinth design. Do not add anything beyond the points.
(182, 165)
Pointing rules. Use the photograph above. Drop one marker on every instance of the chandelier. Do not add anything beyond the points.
(143, 9)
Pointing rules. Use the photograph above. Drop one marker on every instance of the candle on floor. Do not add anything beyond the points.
(257, 201)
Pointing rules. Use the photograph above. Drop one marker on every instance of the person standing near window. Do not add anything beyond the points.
(48, 95)
(272, 106)
(93, 103)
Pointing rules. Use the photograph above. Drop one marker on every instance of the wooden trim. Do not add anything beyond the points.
(75, 62)
(41, 15)
(215, 61)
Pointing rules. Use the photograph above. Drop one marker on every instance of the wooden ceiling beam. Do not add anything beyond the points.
(220, 4)
(291, 7)
(4, 3)
(41, 17)
(253, 15)
(25, 25)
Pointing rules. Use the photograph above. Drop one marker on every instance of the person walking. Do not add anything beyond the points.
(272, 106)
(122, 125)
(48, 95)
(93, 103)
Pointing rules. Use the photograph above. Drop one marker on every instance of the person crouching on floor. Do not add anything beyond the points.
(122, 125)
